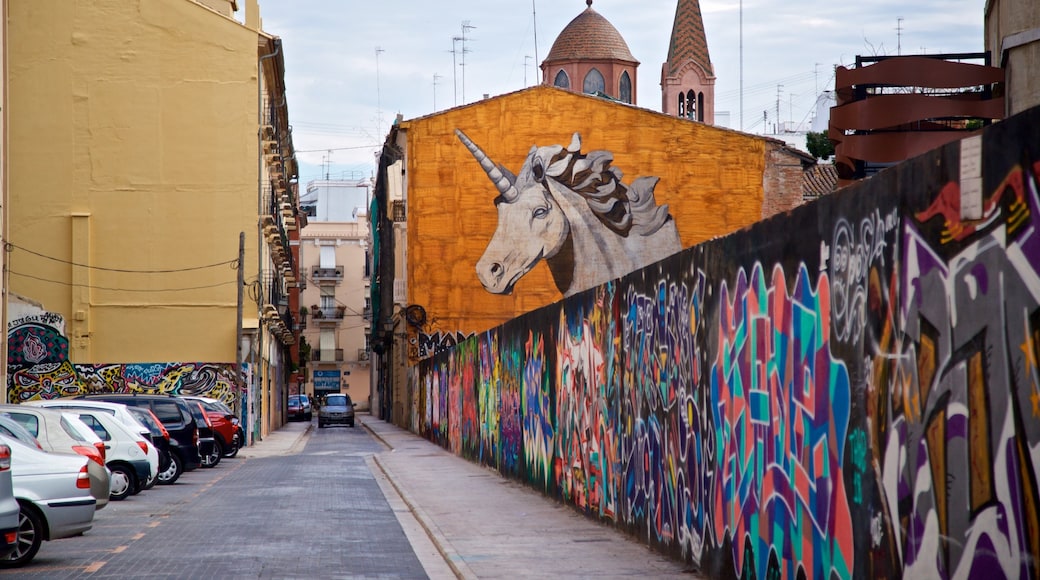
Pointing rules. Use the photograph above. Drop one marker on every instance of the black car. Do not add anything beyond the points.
(208, 448)
(158, 437)
(175, 414)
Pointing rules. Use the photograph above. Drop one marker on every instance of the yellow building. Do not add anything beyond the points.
(137, 161)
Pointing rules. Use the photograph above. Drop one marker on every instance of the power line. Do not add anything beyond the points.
(9, 245)
(91, 286)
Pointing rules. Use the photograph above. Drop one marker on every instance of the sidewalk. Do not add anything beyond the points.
(481, 524)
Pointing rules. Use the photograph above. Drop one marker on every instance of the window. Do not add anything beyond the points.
(327, 257)
(167, 411)
(562, 80)
(98, 428)
(594, 83)
(700, 107)
(681, 109)
(328, 297)
(70, 430)
(691, 105)
(30, 422)
(625, 88)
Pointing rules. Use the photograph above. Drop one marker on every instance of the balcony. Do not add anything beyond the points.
(366, 314)
(319, 273)
(330, 314)
(327, 355)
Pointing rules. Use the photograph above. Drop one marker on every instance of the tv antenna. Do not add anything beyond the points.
(899, 36)
(436, 77)
(466, 26)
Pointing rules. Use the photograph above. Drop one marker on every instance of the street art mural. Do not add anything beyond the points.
(38, 367)
(572, 210)
(851, 390)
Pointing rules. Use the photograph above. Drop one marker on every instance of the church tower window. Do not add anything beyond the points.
(625, 88)
(562, 80)
(594, 83)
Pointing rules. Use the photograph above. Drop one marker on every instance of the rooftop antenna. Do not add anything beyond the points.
(778, 89)
(436, 77)
(899, 36)
(454, 70)
(466, 26)
(534, 20)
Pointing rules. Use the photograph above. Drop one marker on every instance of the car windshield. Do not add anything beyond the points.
(294, 400)
(336, 400)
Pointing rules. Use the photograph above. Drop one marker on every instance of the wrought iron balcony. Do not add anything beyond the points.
(327, 355)
(319, 273)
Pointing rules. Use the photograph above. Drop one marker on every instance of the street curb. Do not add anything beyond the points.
(451, 557)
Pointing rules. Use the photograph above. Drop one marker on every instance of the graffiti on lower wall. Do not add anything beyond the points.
(851, 390)
(38, 367)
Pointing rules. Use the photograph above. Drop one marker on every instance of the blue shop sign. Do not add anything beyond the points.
(326, 380)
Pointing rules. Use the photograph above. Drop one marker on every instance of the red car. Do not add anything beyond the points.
(225, 426)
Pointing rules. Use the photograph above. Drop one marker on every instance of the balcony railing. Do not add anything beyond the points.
(319, 273)
(327, 355)
(330, 314)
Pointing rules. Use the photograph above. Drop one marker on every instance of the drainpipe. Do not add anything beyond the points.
(259, 211)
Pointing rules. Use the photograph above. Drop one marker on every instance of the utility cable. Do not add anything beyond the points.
(73, 284)
(8, 246)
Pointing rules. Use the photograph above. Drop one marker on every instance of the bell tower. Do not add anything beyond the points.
(687, 77)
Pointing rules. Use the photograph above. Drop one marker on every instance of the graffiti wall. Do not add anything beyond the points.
(38, 367)
(851, 390)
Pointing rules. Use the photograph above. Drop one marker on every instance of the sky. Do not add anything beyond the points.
(351, 67)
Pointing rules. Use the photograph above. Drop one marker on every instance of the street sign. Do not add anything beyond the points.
(326, 381)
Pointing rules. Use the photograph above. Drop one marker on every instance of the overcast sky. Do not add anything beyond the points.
(352, 66)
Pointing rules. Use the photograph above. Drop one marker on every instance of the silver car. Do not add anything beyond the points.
(59, 432)
(337, 409)
(57, 487)
(9, 508)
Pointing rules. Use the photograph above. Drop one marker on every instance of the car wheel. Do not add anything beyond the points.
(173, 472)
(214, 456)
(122, 482)
(236, 443)
(151, 482)
(28, 540)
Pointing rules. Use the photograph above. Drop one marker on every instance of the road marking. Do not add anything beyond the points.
(119, 549)
(94, 567)
(154, 524)
(136, 537)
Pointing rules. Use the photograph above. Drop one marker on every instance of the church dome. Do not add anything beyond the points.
(590, 37)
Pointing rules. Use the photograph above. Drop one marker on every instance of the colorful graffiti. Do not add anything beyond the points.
(851, 390)
(38, 367)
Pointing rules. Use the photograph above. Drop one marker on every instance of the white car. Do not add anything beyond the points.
(132, 460)
(9, 508)
(53, 493)
(117, 410)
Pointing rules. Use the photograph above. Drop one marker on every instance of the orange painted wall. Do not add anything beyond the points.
(711, 179)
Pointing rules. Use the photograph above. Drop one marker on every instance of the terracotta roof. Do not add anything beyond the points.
(590, 37)
(821, 179)
(688, 40)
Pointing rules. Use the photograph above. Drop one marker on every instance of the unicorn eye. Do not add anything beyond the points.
(541, 212)
(539, 172)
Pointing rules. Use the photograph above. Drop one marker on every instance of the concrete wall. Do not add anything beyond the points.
(847, 390)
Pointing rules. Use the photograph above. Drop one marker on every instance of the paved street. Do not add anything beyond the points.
(371, 502)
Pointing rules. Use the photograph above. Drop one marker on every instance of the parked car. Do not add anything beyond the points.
(53, 494)
(132, 461)
(118, 410)
(294, 408)
(305, 402)
(209, 449)
(159, 435)
(175, 415)
(226, 431)
(338, 409)
(9, 509)
(55, 431)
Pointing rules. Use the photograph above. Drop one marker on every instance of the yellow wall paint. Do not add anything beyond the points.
(711, 179)
(140, 118)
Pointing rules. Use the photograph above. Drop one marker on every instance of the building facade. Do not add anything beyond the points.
(687, 77)
(457, 254)
(146, 160)
(336, 302)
